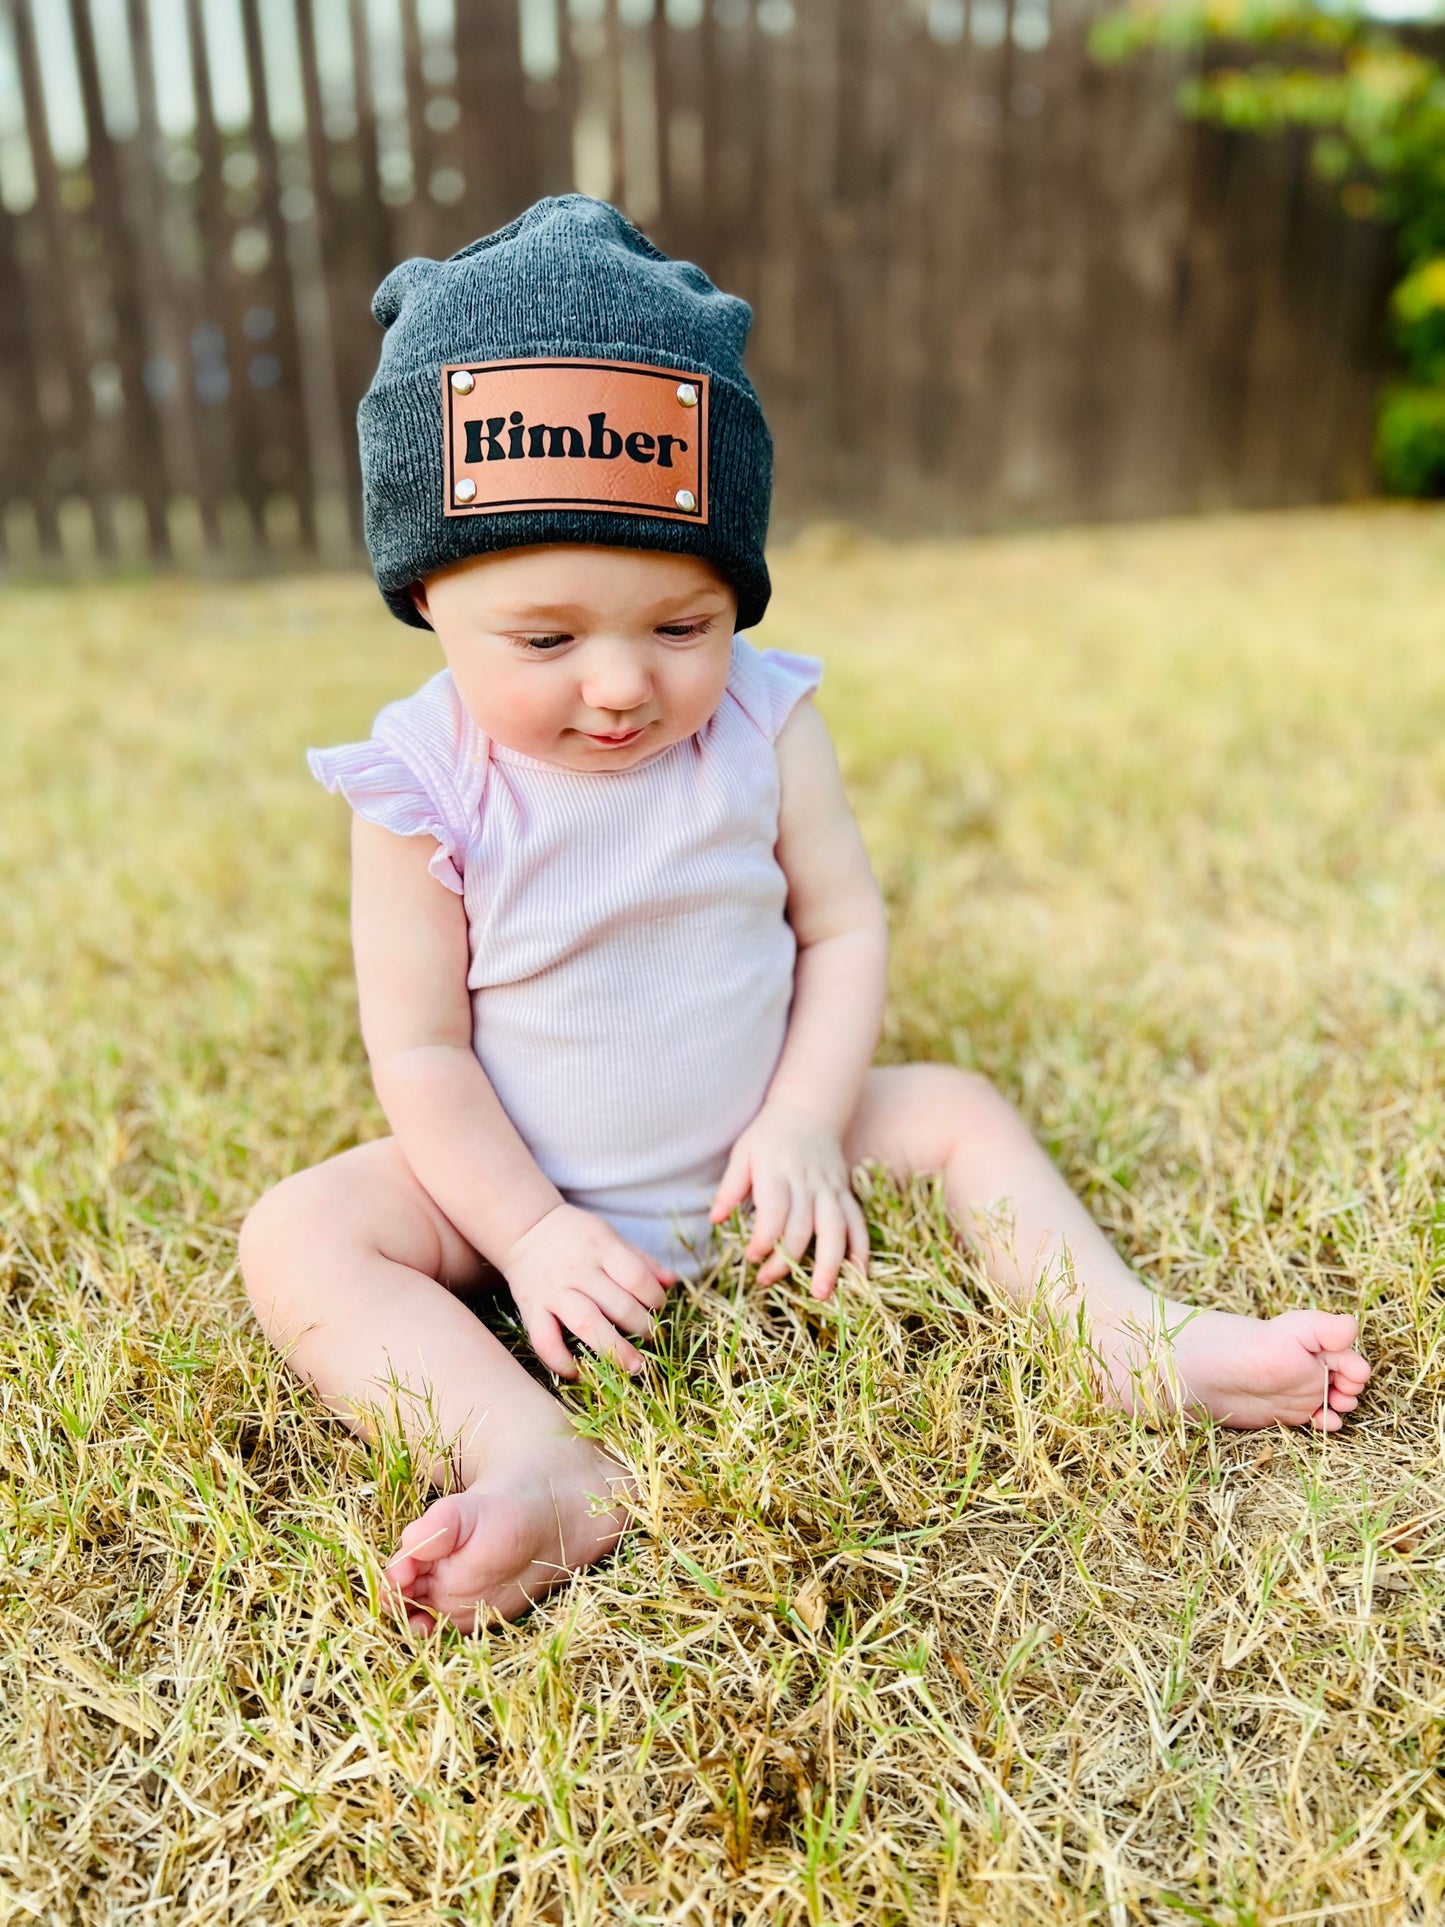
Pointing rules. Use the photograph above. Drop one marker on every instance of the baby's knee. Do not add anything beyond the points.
(962, 1113)
(279, 1225)
(949, 1094)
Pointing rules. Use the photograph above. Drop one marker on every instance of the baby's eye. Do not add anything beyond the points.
(542, 643)
(678, 630)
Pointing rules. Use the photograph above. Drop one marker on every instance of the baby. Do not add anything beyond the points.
(620, 957)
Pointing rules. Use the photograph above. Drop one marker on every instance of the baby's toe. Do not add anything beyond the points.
(400, 1571)
(1330, 1331)
(435, 1535)
(1348, 1367)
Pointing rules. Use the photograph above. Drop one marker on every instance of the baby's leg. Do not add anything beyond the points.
(1016, 1211)
(342, 1264)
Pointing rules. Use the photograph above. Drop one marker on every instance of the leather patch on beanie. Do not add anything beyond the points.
(553, 433)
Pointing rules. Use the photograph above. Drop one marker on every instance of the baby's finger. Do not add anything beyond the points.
(857, 1232)
(777, 1266)
(545, 1332)
(773, 1199)
(597, 1332)
(619, 1304)
(796, 1236)
(830, 1245)
(734, 1187)
(634, 1275)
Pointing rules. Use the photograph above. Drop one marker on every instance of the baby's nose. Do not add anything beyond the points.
(616, 683)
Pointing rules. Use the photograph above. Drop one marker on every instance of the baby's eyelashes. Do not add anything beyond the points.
(541, 644)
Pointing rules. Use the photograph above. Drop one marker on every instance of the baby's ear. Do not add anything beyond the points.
(417, 592)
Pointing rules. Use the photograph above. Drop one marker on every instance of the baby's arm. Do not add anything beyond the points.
(566, 1267)
(790, 1156)
(839, 919)
(410, 939)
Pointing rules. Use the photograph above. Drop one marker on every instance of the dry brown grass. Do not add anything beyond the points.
(911, 1629)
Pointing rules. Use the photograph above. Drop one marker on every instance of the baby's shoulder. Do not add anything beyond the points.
(433, 721)
(767, 684)
(434, 733)
(422, 771)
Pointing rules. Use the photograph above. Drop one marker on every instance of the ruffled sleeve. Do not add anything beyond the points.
(768, 683)
(420, 773)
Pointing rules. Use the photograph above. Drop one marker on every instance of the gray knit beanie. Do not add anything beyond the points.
(562, 380)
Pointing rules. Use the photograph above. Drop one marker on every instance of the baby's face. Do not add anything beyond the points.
(552, 648)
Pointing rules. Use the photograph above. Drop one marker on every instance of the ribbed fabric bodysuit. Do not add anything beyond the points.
(631, 968)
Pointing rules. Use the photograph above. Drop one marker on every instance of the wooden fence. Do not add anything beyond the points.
(994, 283)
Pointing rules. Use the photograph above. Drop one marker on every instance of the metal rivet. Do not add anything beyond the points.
(687, 395)
(465, 490)
(685, 499)
(463, 382)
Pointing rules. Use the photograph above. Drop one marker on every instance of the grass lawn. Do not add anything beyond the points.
(911, 1630)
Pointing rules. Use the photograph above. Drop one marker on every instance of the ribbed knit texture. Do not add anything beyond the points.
(631, 967)
(571, 276)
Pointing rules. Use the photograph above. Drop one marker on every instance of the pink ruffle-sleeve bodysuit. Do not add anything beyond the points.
(631, 967)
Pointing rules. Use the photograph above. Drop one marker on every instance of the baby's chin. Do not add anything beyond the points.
(575, 749)
(585, 752)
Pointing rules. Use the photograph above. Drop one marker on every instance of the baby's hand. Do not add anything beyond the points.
(573, 1272)
(795, 1169)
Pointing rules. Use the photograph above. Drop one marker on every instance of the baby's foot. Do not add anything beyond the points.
(525, 1526)
(1253, 1372)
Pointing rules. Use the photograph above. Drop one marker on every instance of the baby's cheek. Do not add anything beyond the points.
(696, 697)
(539, 705)
(516, 709)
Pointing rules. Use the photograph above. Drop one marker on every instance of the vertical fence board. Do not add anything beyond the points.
(53, 312)
(1358, 357)
(335, 178)
(288, 451)
(21, 428)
